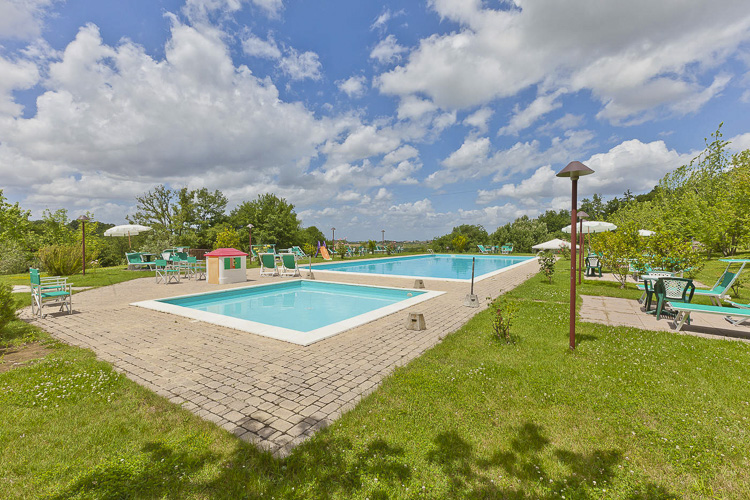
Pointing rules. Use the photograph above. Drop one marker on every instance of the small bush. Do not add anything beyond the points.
(565, 253)
(505, 312)
(547, 264)
(14, 258)
(7, 305)
(61, 260)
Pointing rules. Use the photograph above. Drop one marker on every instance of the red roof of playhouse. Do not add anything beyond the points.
(226, 252)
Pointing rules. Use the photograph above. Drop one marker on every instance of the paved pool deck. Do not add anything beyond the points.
(268, 392)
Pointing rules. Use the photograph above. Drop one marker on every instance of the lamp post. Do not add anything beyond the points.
(383, 234)
(574, 170)
(333, 237)
(581, 215)
(83, 220)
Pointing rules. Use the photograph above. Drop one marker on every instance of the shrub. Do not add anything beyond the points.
(61, 260)
(309, 248)
(14, 259)
(565, 253)
(7, 305)
(505, 312)
(227, 238)
(460, 242)
(547, 264)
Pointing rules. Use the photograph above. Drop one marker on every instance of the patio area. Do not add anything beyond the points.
(265, 391)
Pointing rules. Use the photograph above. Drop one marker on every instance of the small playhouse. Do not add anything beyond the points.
(226, 265)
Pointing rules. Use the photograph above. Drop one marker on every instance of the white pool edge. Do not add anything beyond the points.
(306, 268)
(286, 334)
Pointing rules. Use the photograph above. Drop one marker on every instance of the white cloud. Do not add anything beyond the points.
(193, 118)
(353, 86)
(524, 118)
(479, 119)
(22, 19)
(199, 11)
(387, 50)
(471, 162)
(257, 47)
(15, 76)
(300, 66)
(740, 142)
(630, 165)
(632, 56)
(412, 107)
(403, 153)
(565, 122)
(363, 142)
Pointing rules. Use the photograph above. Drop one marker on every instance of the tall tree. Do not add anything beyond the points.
(274, 220)
(155, 209)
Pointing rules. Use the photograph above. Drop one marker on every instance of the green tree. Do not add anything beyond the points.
(618, 248)
(155, 210)
(555, 221)
(475, 235)
(14, 222)
(523, 233)
(56, 230)
(459, 242)
(273, 219)
(228, 237)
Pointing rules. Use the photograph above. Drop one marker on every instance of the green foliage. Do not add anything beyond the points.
(547, 264)
(273, 219)
(7, 305)
(14, 223)
(308, 248)
(14, 258)
(341, 249)
(228, 237)
(371, 245)
(459, 242)
(61, 260)
(670, 252)
(523, 233)
(555, 221)
(56, 230)
(311, 235)
(473, 233)
(618, 248)
(502, 321)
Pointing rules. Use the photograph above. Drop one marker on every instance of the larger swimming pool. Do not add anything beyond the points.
(298, 311)
(441, 266)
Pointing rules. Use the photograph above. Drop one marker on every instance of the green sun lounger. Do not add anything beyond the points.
(684, 310)
(289, 265)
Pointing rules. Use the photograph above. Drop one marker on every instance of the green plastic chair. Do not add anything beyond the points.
(672, 290)
(593, 266)
(166, 272)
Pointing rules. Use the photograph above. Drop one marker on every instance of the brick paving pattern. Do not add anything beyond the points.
(268, 392)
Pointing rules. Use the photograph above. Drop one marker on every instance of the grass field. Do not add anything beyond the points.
(629, 414)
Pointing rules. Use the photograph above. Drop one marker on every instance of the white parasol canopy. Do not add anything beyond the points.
(593, 226)
(555, 244)
(126, 230)
(645, 232)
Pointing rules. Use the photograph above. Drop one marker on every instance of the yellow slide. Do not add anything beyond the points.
(325, 254)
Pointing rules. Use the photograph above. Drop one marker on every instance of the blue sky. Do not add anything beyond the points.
(412, 117)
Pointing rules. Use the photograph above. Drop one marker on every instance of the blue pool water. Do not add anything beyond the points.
(428, 266)
(297, 305)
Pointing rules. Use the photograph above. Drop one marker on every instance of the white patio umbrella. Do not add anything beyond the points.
(555, 244)
(126, 230)
(593, 226)
(645, 232)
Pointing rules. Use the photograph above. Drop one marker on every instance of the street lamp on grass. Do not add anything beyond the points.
(574, 170)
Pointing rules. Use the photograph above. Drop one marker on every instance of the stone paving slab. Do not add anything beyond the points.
(268, 392)
(628, 312)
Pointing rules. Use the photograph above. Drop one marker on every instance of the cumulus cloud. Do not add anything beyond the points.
(740, 142)
(257, 47)
(632, 56)
(202, 10)
(301, 66)
(479, 119)
(353, 86)
(524, 118)
(475, 160)
(630, 165)
(22, 19)
(387, 50)
(16, 75)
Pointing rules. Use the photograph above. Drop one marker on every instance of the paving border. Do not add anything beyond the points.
(268, 392)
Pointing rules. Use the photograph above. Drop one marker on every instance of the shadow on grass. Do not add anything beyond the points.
(331, 467)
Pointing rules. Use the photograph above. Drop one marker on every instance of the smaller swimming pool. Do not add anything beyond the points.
(297, 311)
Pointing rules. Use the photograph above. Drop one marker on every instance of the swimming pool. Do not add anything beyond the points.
(297, 311)
(447, 267)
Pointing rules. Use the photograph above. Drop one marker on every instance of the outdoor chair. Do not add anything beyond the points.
(268, 264)
(482, 249)
(672, 290)
(166, 272)
(593, 266)
(289, 265)
(135, 261)
(506, 249)
(648, 286)
(720, 290)
(53, 290)
(740, 312)
(297, 251)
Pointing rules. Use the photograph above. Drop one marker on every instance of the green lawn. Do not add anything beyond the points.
(629, 414)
